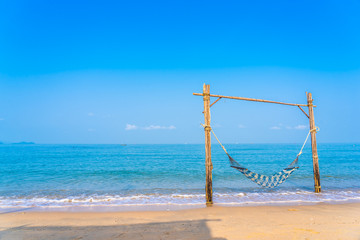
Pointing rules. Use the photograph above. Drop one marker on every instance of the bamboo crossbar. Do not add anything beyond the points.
(253, 100)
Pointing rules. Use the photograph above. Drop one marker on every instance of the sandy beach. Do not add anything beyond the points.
(322, 221)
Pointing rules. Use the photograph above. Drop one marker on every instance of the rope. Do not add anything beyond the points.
(304, 143)
(316, 129)
(264, 180)
(205, 126)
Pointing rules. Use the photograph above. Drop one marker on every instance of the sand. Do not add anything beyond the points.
(339, 221)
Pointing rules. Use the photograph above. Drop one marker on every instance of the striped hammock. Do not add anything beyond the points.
(265, 180)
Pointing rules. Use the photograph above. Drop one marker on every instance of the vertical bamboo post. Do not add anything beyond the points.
(313, 144)
(207, 128)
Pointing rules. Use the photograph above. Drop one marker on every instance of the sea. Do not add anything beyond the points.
(146, 177)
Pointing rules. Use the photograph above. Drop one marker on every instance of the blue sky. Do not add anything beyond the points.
(124, 72)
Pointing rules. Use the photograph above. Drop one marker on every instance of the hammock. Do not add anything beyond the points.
(264, 180)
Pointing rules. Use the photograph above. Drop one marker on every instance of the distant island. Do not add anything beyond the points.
(23, 143)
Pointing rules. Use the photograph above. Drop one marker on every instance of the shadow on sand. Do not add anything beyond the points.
(17, 210)
(196, 229)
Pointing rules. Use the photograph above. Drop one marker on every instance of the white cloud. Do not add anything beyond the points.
(157, 127)
(90, 114)
(241, 126)
(151, 127)
(130, 127)
(300, 127)
(280, 126)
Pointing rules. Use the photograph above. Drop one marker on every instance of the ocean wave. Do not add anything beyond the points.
(231, 199)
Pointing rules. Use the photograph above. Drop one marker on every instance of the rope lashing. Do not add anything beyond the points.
(310, 104)
(206, 127)
(206, 96)
(316, 129)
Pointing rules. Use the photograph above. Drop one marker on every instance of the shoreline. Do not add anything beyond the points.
(162, 207)
(107, 206)
(320, 221)
(154, 202)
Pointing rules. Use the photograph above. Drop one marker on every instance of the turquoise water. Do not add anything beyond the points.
(46, 176)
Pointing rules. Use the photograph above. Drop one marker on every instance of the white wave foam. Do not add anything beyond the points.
(240, 199)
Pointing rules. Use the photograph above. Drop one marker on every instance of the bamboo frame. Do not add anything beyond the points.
(207, 129)
(304, 112)
(252, 100)
(215, 101)
(208, 164)
(313, 144)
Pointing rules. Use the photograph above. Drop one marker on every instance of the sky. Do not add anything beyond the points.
(109, 72)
